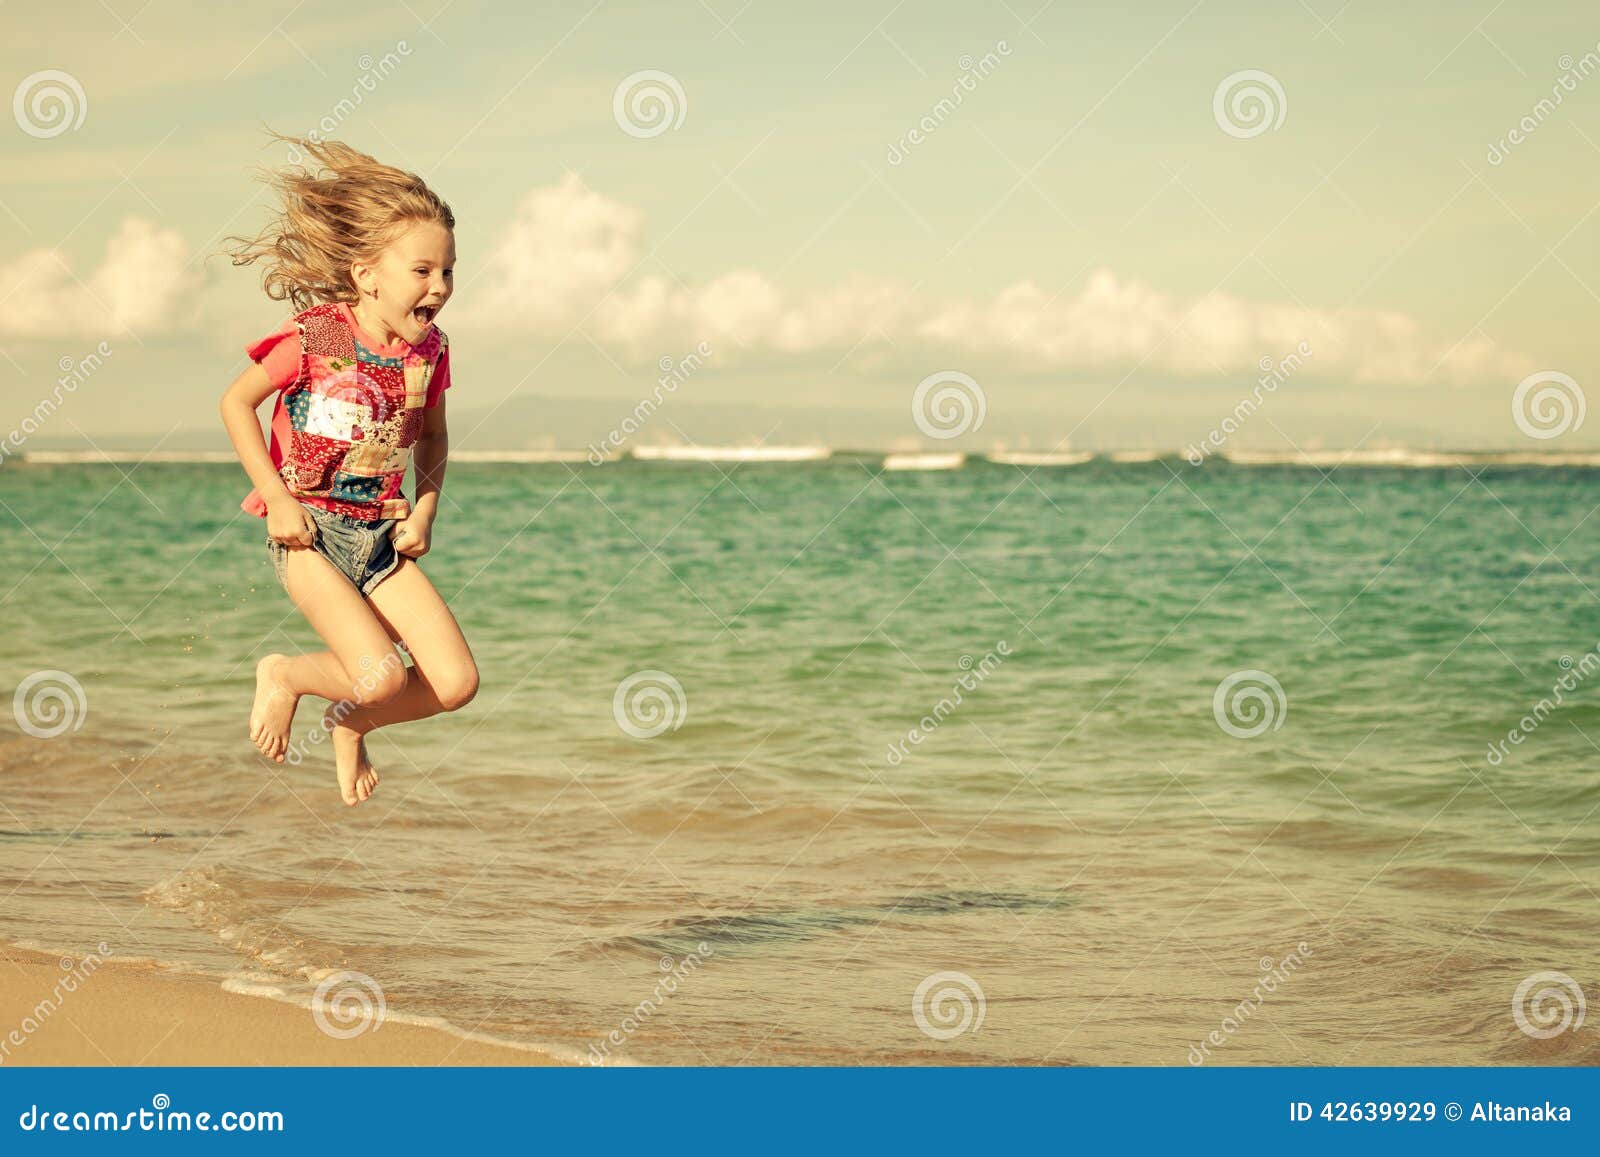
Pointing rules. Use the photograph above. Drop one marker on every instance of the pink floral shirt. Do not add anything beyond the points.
(348, 411)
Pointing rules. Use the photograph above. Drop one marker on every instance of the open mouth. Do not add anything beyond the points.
(424, 314)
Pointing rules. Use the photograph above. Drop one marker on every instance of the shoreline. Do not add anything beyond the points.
(998, 454)
(131, 1013)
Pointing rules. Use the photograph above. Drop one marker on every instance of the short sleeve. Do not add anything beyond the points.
(279, 354)
(440, 382)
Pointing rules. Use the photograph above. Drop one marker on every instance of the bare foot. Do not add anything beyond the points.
(357, 777)
(273, 710)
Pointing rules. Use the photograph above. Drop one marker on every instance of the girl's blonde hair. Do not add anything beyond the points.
(347, 210)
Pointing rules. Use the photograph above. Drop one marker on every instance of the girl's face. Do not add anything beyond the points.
(413, 276)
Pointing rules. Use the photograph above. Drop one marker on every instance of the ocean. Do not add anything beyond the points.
(813, 762)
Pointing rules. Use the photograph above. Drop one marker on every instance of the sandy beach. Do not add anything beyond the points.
(134, 1014)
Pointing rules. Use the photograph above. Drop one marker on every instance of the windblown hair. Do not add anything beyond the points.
(347, 209)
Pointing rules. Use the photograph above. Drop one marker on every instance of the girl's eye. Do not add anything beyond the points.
(420, 269)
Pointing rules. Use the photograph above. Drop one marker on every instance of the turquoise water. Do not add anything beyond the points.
(1078, 837)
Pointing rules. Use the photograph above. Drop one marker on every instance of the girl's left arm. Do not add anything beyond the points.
(414, 535)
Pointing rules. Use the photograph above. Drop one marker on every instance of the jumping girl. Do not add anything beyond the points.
(366, 254)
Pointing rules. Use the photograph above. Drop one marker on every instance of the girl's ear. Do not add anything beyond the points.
(366, 281)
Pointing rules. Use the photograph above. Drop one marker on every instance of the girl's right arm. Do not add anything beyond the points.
(288, 522)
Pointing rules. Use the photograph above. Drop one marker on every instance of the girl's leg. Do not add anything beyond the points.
(444, 677)
(361, 666)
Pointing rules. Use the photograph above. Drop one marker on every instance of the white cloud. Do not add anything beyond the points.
(1114, 323)
(567, 260)
(564, 248)
(140, 285)
(570, 259)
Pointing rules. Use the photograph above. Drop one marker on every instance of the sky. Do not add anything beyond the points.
(1088, 226)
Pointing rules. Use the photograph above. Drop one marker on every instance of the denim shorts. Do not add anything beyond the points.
(361, 551)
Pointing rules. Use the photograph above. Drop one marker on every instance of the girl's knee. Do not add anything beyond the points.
(457, 690)
(381, 680)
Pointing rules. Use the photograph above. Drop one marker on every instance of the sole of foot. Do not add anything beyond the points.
(272, 713)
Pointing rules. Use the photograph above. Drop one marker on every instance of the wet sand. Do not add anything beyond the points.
(136, 1014)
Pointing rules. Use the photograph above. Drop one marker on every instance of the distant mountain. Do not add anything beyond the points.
(537, 422)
